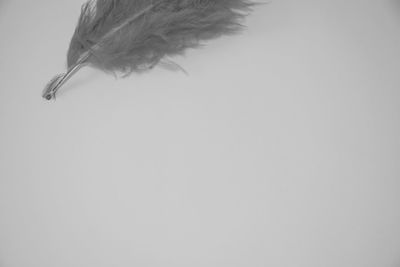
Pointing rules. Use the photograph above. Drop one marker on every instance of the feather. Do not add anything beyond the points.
(125, 36)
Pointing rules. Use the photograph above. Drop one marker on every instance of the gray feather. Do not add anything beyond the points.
(135, 35)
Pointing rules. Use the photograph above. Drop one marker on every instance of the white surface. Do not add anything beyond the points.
(281, 148)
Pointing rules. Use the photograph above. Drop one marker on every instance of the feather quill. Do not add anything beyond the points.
(126, 36)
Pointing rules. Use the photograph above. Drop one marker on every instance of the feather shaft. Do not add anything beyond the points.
(51, 89)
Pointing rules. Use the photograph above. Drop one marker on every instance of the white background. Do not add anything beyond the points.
(281, 147)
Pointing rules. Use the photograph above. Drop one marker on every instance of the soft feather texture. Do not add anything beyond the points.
(167, 28)
(135, 35)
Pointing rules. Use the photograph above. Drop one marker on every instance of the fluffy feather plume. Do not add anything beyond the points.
(135, 35)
